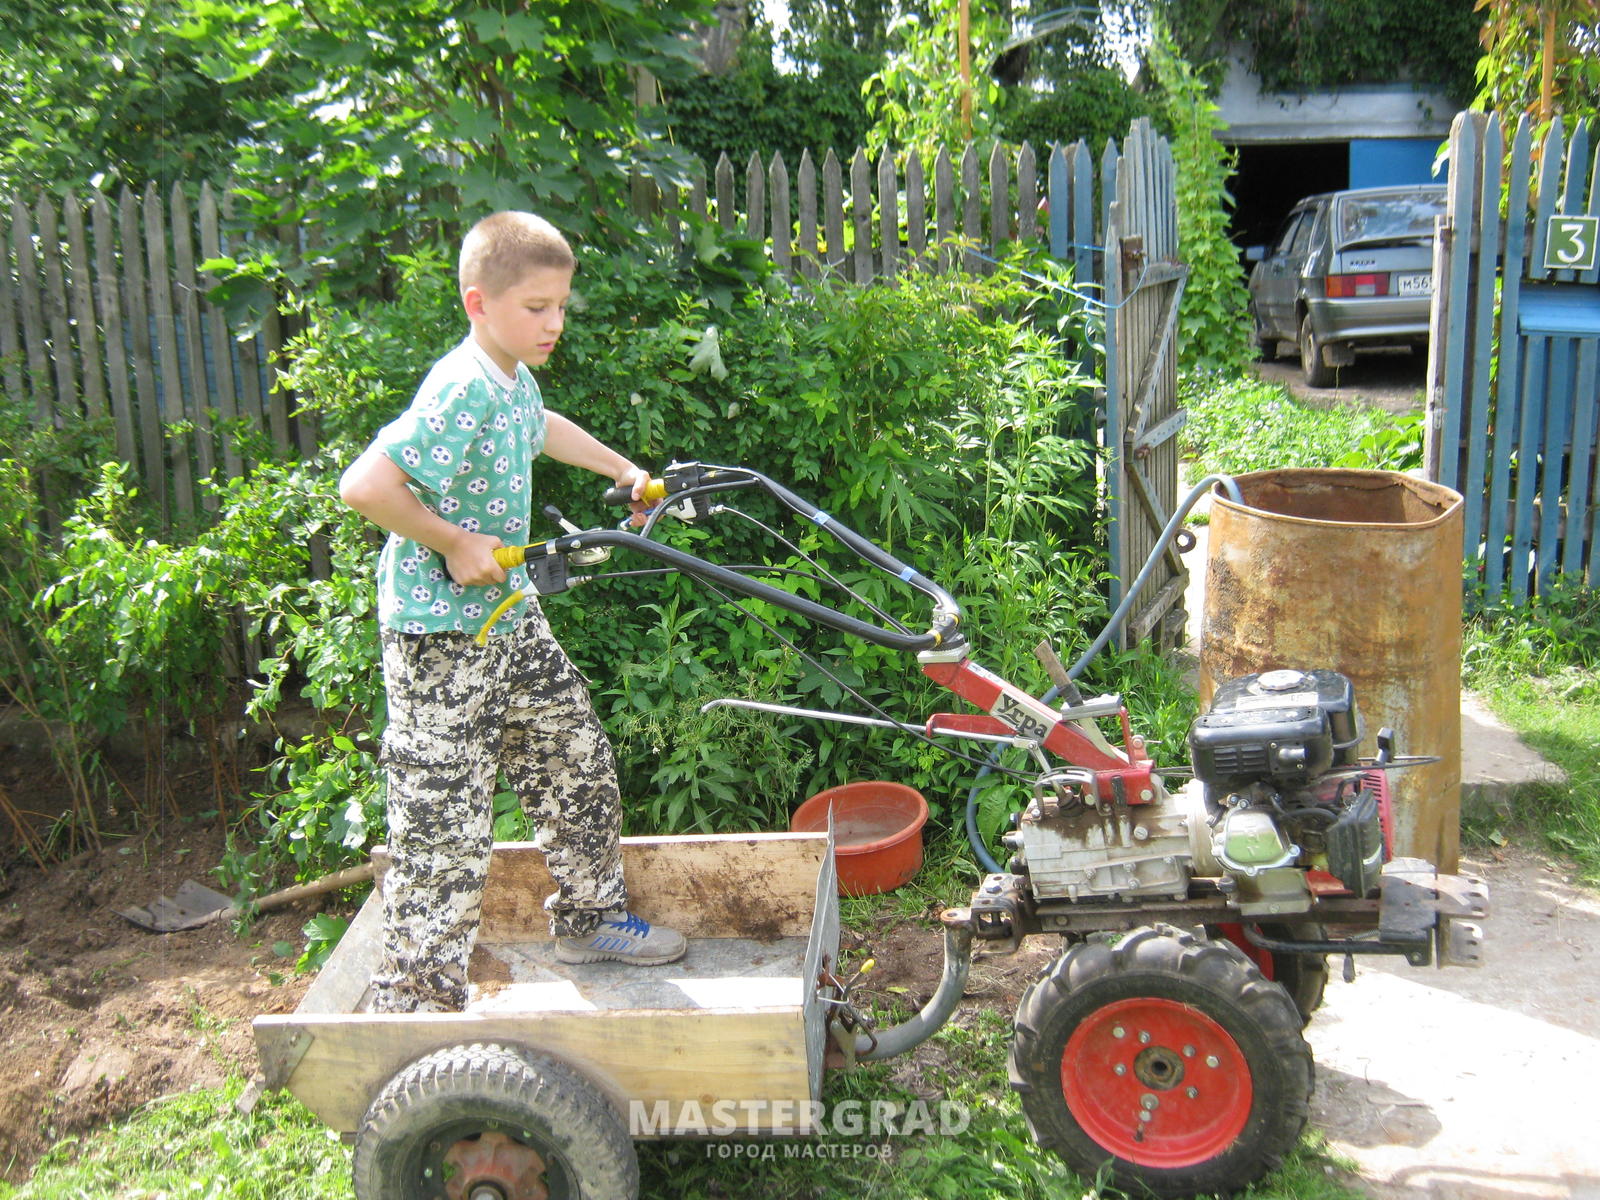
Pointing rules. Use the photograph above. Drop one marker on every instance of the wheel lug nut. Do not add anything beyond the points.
(1144, 1039)
(1211, 1060)
(1191, 1092)
(1119, 1069)
(1118, 1031)
(1188, 1051)
(1145, 1115)
(1148, 1101)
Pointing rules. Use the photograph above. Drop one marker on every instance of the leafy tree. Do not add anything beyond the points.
(1213, 316)
(916, 98)
(1540, 57)
(1303, 45)
(74, 114)
(415, 116)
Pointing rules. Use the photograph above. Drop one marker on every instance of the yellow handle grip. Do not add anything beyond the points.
(511, 556)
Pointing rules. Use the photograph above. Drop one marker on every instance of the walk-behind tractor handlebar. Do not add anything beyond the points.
(1173, 1054)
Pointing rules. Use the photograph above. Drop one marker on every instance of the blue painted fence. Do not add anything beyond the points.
(1513, 382)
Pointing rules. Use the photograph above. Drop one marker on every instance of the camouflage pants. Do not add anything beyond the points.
(457, 711)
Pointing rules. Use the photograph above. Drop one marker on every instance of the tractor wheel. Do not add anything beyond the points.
(487, 1122)
(1303, 976)
(1314, 369)
(1167, 1059)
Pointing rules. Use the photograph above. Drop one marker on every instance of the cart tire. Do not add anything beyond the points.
(1170, 1025)
(1303, 976)
(463, 1092)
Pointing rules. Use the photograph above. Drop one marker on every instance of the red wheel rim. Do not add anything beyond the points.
(1156, 1082)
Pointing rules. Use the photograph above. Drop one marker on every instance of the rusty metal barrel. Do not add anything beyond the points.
(1359, 571)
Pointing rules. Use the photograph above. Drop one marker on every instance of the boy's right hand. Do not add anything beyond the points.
(471, 562)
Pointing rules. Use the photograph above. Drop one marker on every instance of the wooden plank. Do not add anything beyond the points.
(697, 191)
(1058, 184)
(676, 1058)
(1082, 230)
(1452, 275)
(1508, 397)
(807, 182)
(755, 199)
(166, 339)
(726, 215)
(1476, 419)
(861, 217)
(833, 212)
(108, 296)
(944, 208)
(136, 303)
(31, 305)
(85, 326)
(1027, 195)
(888, 216)
(1117, 499)
(54, 296)
(782, 231)
(1535, 375)
(10, 341)
(730, 885)
(1578, 543)
(217, 339)
(341, 986)
(1560, 415)
(916, 211)
(247, 354)
(999, 200)
(196, 392)
(971, 211)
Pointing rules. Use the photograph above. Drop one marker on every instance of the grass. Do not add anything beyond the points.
(1538, 668)
(196, 1147)
(1244, 424)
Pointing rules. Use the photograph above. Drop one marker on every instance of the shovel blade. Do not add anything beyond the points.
(193, 905)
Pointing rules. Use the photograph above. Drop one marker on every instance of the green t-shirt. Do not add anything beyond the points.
(467, 442)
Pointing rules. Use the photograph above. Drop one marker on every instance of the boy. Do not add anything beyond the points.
(449, 479)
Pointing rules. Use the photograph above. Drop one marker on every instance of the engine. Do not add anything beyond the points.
(1277, 791)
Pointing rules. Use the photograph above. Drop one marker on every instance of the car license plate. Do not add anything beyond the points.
(1414, 285)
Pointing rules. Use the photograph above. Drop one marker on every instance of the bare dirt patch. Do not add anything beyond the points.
(97, 1016)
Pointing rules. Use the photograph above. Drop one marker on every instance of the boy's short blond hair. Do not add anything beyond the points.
(500, 250)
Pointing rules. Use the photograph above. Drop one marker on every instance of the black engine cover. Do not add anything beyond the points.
(1281, 727)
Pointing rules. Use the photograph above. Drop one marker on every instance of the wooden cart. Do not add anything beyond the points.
(538, 1088)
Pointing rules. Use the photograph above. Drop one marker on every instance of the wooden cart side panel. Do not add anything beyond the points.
(666, 1070)
(341, 984)
(756, 885)
(823, 947)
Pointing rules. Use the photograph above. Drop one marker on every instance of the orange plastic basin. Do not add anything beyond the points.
(877, 833)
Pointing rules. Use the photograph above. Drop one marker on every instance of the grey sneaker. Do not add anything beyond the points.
(625, 938)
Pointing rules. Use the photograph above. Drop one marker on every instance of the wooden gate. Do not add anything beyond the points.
(1513, 388)
(1144, 282)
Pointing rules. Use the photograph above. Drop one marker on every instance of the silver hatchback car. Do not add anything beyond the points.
(1348, 271)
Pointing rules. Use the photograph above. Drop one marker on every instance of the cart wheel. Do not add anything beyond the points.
(1303, 976)
(487, 1122)
(1167, 1058)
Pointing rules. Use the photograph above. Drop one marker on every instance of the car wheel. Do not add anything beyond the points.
(1313, 367)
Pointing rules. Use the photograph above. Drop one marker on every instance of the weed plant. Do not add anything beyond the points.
(1241, 423)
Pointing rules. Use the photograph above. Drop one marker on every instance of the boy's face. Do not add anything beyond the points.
(524, 322)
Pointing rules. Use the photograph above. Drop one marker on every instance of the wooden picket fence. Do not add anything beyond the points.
(105, 315)
(1514, 370)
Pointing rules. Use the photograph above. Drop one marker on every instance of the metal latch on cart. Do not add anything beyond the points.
(1437, 914)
